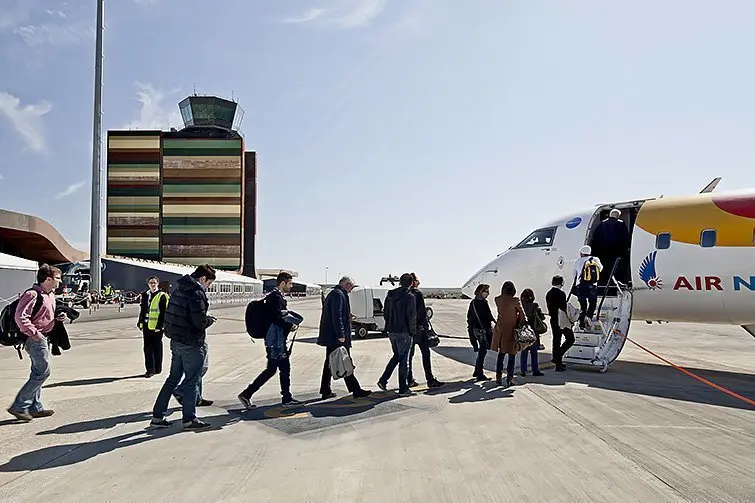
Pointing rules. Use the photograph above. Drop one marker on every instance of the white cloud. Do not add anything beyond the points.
(310, 15)
(154, 114)
(55, 34)
(344, 15)
(70, 190)
(27, 120)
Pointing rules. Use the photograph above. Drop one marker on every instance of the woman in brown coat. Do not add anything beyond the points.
(510, 316)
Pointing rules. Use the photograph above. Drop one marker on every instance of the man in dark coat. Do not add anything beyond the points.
(610, 242)
(400, 315)
(423, 328)
(186, 324)
(335, 331)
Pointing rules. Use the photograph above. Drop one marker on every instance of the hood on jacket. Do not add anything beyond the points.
(187, 283)
(399, 292)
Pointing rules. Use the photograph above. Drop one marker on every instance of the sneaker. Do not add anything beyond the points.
(538, 374)
(245, 402)
(362, 393)
(291, 402)
(406, 393)
(382, 385)
(328, 396)
(204, 403)
(42, 413)
(160, 423)
(435, 384)
(413, 384)
(21, 416)
(196, 424)
(482, 377)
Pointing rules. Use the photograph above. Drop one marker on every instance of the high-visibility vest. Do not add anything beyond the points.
(107, 290)
(154, 309)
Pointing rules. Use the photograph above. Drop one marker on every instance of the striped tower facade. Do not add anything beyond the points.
(202, 186)
(133, 194)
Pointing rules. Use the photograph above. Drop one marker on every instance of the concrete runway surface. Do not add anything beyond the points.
(641, 432)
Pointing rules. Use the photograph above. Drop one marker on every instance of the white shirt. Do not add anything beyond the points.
(579, 264)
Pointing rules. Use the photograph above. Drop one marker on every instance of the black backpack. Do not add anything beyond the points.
(256, 318)
(10, 334)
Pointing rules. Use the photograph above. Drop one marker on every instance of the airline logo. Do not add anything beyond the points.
(648, 274)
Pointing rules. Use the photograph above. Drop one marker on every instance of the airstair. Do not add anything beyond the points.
(600, 343)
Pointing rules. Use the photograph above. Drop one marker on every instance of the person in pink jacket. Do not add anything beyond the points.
(35, 326)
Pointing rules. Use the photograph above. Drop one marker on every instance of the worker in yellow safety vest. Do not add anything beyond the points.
(154, 303)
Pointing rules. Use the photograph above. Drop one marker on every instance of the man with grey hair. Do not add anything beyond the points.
(335, 331)
(610, 242)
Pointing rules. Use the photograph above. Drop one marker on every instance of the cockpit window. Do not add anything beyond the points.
(539, 238)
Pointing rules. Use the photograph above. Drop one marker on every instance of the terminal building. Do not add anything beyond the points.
(185, 196)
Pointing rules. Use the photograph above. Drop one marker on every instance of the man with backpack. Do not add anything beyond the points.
(280, 323)
(34, 317)
(423, 328)
(587, 273)
(335, 331)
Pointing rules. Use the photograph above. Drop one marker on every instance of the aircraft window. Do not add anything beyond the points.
(708, 238)
(663, 241)
(539, 238)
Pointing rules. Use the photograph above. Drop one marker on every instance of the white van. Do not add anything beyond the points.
(367, 309)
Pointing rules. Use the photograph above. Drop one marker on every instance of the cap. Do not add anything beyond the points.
(615, 213)
(585, 250)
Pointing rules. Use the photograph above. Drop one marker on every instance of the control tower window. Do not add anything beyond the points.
(539, 238)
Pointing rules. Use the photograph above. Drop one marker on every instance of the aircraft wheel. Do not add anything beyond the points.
(361, 331)
(429, 311)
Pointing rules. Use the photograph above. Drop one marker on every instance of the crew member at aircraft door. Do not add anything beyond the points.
(610, 242)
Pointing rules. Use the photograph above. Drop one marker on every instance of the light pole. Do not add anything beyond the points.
(95, 270)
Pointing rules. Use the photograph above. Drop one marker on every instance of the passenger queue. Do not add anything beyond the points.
(183, 318)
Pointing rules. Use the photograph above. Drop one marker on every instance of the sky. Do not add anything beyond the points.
(392, 135)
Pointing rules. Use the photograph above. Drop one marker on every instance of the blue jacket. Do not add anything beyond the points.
(275, 340)
(335, 322)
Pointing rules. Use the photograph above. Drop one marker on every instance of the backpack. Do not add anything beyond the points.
(590, 271)
(256, 319)
(10, 334)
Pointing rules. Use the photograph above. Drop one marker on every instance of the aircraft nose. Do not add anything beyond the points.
(481, 277)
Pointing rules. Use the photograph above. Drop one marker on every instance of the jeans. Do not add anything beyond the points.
(153, 351)
(185, 361)
(425, 350)
(180, 390)
(532, 350)
(28, 398)
(482, 343)
(282, 364)
(509, 365)
(401, 345)
(352, 384)
(588, 301)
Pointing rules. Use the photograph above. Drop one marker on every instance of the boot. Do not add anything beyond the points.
(499, 378)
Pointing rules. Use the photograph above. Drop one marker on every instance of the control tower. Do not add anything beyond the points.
(211, 111)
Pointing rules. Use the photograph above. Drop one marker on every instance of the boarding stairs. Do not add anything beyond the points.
(600, 342)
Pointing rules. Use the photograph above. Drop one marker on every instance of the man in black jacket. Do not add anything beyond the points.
(400, 313)
(153, 337)
(275, 308)
(423, 327)
(335, 331)
(186, 324)
(555, 300)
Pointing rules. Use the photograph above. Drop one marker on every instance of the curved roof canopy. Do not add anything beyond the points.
(35, 239)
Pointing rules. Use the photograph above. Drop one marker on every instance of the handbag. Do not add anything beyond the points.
(524, 336)
(480, 333)
(538, 324)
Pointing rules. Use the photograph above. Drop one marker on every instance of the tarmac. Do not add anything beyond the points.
(641, 432)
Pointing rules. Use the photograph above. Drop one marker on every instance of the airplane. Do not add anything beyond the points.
(692, 259)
